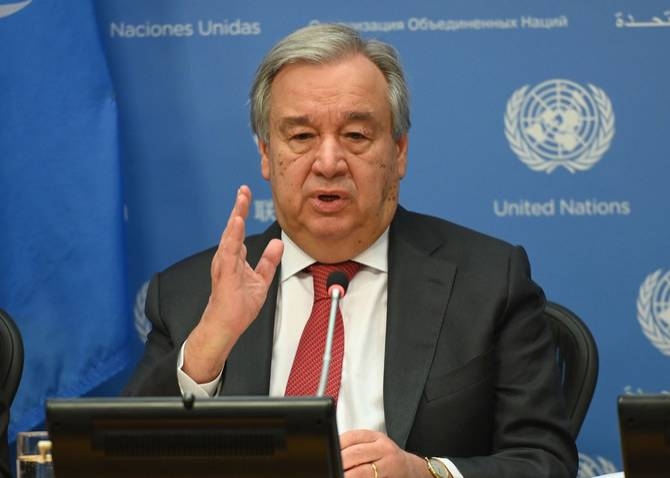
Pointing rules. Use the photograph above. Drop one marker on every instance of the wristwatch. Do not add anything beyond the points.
(437, 468)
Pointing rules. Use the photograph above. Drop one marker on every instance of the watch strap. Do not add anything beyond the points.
(433, 471)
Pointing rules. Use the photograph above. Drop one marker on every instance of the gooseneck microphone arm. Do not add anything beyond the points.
(336, 284)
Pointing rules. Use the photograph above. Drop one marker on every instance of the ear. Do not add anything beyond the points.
(264, 151)
(402, 145)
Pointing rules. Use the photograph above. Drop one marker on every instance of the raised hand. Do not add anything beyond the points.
(238, 293)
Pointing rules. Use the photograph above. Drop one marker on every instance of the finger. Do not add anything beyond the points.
(231, 252)
(234, 211)
(267, 265)
(361, 446)
(358, 455)
(243, 201)
(232, 238)
(354, 437)
(240, 209)
(364, 470)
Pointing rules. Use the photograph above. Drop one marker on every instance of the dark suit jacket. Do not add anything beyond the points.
(469, 367)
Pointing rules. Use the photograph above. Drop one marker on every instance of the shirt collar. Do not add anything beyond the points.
(295, 259)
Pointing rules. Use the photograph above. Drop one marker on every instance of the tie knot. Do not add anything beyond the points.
(320, 273)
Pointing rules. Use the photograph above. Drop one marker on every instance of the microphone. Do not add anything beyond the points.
(336, 284)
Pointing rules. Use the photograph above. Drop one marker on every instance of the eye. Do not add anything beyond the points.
(355, 135)
(302, 137)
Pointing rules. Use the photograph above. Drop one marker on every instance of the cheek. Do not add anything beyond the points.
(377, 184)
(279, 166)
(289, 173)
(392, 195)
(388, 176)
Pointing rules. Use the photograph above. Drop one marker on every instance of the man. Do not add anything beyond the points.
(446, 355)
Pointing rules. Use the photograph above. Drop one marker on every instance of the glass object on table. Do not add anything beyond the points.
(33, 455)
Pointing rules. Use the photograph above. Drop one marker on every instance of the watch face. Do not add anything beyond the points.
(440, 468)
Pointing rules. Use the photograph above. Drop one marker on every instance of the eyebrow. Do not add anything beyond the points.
(304, 120)
(360, 116)
(290, 121)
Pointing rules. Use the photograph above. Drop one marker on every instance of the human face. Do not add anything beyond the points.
(332, 162)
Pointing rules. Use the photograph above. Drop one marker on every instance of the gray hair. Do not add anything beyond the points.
(320, 44)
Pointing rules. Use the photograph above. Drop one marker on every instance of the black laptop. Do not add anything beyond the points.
(644, 425)
(240, 437)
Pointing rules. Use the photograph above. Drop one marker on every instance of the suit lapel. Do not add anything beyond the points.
(418, 292)
(247, 370)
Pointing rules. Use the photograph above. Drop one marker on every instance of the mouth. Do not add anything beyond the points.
(330, 202)
(328, 197)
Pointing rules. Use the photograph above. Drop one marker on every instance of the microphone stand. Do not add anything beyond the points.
(337, 284)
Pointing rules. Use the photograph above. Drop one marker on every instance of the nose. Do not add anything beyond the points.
(330, 160)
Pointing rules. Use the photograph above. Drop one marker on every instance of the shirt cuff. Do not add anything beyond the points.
(188, 385)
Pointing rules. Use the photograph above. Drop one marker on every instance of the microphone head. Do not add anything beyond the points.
(339, 280)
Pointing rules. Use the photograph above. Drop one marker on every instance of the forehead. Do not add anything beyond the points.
(352, 88)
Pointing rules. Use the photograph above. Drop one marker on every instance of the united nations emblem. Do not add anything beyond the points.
(597, 466)
(142, 323)
(8, 9)
(653, 310)
(559, 123)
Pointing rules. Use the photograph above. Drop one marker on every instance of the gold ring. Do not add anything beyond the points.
(374, 468)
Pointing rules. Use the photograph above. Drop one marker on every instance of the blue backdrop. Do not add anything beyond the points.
(541, 122)
(62, 257)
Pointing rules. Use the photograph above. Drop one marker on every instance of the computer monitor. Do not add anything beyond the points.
(644, 424)
(240, 437)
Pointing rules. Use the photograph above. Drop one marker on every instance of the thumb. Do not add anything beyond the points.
(269, 261)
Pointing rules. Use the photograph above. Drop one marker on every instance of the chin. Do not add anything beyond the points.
(332, 227)
(331, 233)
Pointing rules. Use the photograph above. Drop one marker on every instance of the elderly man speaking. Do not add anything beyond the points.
(442, 364)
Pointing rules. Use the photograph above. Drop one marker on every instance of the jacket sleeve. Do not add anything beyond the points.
(156, 373)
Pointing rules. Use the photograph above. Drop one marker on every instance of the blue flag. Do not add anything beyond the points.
(62, 273)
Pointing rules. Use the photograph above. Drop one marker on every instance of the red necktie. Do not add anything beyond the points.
(306, 369)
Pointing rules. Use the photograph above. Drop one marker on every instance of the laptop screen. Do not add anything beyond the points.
(225, 437)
